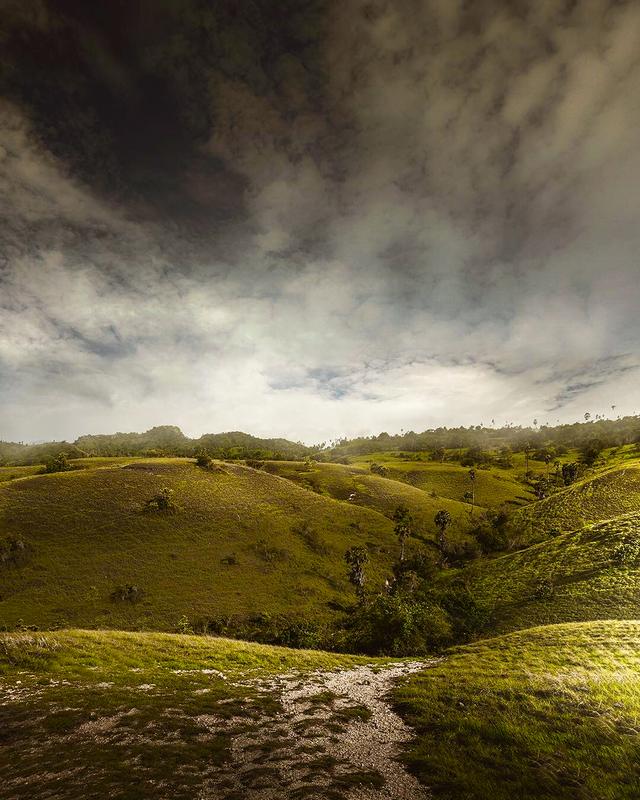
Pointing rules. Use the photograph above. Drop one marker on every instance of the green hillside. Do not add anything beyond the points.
(359, 487)
(493, 487)
(243, 542)
(588, 574)
(590, 500)
(546, 713)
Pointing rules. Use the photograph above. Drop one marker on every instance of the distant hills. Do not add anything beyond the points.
(161, 440)
(169, 440)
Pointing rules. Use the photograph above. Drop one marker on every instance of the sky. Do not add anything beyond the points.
(315, 219)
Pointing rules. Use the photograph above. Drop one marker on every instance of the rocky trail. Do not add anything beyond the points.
(335, 737)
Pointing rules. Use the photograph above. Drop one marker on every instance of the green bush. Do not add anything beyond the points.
(394, 625)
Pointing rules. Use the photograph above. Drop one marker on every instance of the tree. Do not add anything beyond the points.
(472, 478)
(587, 416)
(403, 526)
(569, 473)
(527, 450)
(356, 558)
(442, 520)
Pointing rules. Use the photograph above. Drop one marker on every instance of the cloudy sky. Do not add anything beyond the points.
(312, 218)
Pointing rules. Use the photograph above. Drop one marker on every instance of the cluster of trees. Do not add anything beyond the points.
(163, 440)
(481, 439)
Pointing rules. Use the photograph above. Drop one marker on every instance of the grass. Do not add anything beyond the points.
(359, 487)
(541, 714)
(593, 499)
(243, 542)
(576, 576)
(493, 487)
(97, 714)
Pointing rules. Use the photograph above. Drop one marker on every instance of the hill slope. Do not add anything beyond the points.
(243, 542)
(493, 487)
(543, 714)
(589, 574)
(590, 500)
(360, 487)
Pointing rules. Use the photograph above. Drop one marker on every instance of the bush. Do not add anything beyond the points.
(468, 615)
(627, 552)
(13, 552)
(162, 502)
(394, 625)
(544, 589)
(378, 469)
(269, 554)
(58, 463)
(184, 626)
(127, 594)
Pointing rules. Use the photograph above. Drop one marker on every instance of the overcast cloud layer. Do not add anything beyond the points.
(313, 219)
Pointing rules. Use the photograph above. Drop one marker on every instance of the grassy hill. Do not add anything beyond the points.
(590, 500)
(588, 574)
(243, 542)
(493, 487)
(542, 714)
(359, 487)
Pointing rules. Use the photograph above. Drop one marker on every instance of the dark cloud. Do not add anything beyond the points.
(316, 217)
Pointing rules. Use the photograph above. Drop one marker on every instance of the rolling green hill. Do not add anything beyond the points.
(592, 499)
(493, 487)
(547, 713)
(590, 574)
(243, 542)
(359, 487)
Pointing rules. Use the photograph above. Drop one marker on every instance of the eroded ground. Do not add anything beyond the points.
(329, 734)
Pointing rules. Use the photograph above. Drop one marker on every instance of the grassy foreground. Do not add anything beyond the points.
(96, 714)
(551, 712)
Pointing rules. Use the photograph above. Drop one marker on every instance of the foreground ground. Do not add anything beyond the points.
(91, 714)
(547, 713)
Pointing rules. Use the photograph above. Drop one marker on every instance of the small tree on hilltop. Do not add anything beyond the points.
(403, 526)
(442, 520)
(356, 558)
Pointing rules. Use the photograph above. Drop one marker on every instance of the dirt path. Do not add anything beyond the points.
(336, 737)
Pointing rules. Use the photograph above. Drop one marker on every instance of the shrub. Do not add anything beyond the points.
(468, 615)
(394, 625)
(58, 463)
(13, 552)
(203, 460)
(378, 469)
(127, 594)
(544, 589)
(162, 502)
(627, 552)
(268, 553)
(311, 538)
(184, 626)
